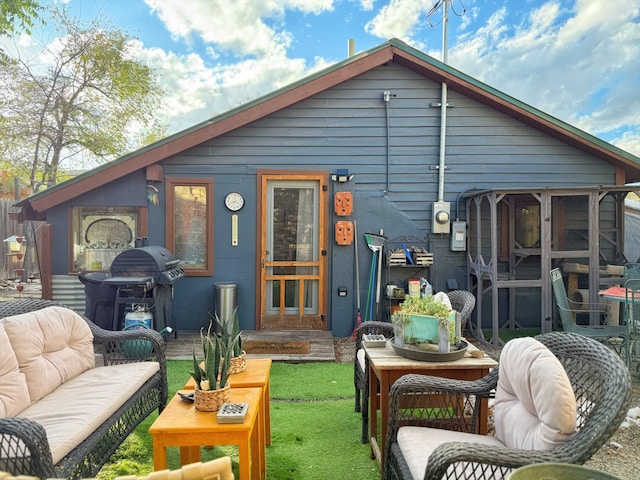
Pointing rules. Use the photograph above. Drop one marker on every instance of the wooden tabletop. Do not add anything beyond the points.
(388, 359)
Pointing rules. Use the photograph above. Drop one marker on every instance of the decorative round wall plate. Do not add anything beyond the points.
(108, 231)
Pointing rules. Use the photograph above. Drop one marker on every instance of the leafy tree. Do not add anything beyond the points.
(77, 102)
(18, 14)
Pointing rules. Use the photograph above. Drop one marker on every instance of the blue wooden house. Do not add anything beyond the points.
(275, 198)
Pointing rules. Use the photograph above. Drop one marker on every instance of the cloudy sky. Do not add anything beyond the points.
(578, 60)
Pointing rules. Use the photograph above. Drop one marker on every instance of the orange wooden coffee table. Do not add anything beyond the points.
(256, 374)
(180, 424)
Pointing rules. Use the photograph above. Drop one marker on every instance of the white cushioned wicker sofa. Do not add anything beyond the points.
(71, 392)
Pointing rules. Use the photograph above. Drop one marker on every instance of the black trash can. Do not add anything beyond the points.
(100, 298)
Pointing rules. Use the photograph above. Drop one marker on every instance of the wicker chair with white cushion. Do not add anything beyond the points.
(558, 398)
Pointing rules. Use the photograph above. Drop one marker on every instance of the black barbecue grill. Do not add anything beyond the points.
(143, 275)
(153, 262)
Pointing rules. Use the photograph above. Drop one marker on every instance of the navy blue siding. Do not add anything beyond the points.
(394, 183)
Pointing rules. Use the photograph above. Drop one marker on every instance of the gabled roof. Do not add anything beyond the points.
(36, 205)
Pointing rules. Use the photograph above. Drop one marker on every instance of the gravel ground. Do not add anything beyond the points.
(620, 456)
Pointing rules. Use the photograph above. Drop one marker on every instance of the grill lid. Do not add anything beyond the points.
(151, 261)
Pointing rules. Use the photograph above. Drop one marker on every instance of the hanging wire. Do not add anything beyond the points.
(446, 4)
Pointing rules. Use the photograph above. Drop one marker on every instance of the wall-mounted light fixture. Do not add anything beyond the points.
(341, 175)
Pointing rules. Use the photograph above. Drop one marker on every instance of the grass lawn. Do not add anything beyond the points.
(315, 431)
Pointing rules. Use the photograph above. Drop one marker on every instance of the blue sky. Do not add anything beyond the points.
(578, 60)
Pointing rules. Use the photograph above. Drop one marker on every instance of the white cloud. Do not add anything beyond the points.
(582, 66)
(195, 92)
(243, 28)
(367, 4)
(399, 19)
(629, 141)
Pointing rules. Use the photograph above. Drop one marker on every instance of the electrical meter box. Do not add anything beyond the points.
(458, 236)
(441, 217)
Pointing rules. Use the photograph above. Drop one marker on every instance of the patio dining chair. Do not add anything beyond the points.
(631, 271)
(558, 398)
(632, 320)
(361, 369)
(462, 301)
(613, 335)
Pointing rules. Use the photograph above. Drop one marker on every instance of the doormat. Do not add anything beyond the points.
(297, 347)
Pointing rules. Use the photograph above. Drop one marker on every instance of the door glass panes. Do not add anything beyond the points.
(292, 291)
(293, 224)
(292, 246)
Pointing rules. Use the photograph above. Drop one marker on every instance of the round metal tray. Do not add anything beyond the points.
(426, 356)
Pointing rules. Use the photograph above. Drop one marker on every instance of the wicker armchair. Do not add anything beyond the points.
(24, 447)
(602, 390)
(461, 300)
(361, 369)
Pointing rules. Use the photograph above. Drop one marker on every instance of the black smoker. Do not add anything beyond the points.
(143, 275)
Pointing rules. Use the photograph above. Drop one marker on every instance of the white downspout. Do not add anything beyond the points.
(443, 109)
(441, 209)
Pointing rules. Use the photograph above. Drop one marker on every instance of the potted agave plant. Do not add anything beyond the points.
(230, 335)
(426, 320)
(211, 375)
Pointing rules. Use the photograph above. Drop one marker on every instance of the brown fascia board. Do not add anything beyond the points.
(214, 128)
(517, 110)
(394, 50)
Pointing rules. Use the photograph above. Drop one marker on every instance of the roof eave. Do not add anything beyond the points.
(212, 128)
(462, 83)
(393, 50)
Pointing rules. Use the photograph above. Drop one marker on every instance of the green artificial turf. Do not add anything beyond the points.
(315, 433)
(506, 334)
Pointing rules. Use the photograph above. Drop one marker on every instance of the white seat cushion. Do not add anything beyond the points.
(76, 408)
(417, 444)
(360, 354)
(535, 407)
(52, 346)
(14, 394)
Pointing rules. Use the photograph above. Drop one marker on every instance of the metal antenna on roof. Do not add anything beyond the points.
(446, 5)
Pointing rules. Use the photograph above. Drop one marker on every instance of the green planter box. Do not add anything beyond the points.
(424, 329)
